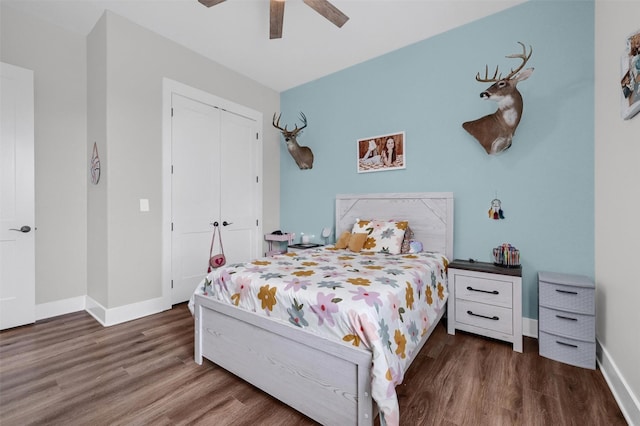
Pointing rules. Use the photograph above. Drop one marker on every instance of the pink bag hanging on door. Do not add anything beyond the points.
(216, 260)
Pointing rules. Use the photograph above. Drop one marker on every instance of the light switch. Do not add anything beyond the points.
(144, 205)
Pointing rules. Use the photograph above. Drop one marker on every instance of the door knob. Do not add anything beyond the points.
(225, 223)
(24, 229)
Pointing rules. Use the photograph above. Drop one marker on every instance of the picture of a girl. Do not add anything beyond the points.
(389, 153)
(381, 153)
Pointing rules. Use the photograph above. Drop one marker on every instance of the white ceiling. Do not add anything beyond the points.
(236, 33)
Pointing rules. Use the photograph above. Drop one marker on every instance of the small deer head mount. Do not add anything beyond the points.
(495, 131)
(301, 154)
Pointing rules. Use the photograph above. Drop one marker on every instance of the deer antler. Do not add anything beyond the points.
(303, 118)
(276, 124)
(497, 77)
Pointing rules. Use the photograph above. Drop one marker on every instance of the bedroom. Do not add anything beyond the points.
(581, 133)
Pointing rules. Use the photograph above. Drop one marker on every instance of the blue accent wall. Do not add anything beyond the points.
(545, 180)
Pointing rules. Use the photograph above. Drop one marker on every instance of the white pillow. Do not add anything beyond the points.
(383, 235)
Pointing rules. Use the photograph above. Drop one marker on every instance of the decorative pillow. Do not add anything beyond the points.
(357, 241)
(408, 236)
(383, 236)
(343, 241)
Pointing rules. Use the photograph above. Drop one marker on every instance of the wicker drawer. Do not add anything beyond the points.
(568, 324)
(490, 291)
(567, 298)
(569, 351)
(485, 316)
(567, 292)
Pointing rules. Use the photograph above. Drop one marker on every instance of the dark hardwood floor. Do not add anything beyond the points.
(70, 370)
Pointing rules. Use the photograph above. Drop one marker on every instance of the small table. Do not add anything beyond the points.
(271, 238)
(486, 299)
(303, 246)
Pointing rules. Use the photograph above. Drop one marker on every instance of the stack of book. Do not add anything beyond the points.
(506, 255)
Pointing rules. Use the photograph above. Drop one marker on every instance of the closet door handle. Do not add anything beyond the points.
(566, 318)
(566, 344)
(24, 229)
(225, 223)
(494, 318)
(566, 291)
(482, 291)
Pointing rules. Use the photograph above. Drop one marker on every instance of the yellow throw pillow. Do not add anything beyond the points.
(343, 241)
(356, 242)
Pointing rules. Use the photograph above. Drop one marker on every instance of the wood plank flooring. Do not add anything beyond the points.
(70, 370)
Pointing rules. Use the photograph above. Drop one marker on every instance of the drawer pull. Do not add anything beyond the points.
(566, 318)
(482, 291)
(494, 318)
(566, 344)
(566, 291)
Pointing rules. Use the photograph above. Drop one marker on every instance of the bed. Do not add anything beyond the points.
(333, 379)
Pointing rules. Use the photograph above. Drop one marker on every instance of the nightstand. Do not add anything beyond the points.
(567, 318)
(485, 299)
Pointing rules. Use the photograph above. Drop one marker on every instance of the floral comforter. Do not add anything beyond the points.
(381, 302)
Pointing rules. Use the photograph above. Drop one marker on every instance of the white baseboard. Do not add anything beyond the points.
(530, 327)
(60, 307)
(108, 317)
(627, 401)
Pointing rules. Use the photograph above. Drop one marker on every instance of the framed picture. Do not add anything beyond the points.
(630, 81)
(382, 153)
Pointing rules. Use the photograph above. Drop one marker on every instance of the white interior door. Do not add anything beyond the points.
(17, 213)
(240, 196)
(216, 158)
(195, 191)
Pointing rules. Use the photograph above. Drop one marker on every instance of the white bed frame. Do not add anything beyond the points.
(326, 380)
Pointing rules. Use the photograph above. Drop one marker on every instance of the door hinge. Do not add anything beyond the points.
(172, 169)
(171, 283)
(257, 181)
(256, 222)
(171, 226)
(172, 111)
(257, 136)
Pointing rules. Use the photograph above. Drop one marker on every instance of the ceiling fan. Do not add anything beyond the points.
(323, 7)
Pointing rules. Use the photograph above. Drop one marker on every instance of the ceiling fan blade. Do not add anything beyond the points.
(210, 3)
(276, 17)
(329, 11)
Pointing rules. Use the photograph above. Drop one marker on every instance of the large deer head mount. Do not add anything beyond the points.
(301, 154)
(495, 131)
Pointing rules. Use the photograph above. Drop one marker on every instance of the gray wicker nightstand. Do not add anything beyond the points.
(567, 318)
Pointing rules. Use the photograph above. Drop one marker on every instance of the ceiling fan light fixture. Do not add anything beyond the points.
(276, 13)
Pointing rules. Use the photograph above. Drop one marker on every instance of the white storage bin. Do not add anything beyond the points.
(566, 320)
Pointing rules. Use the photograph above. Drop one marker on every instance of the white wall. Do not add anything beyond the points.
(109, 86)
(58, 59)
(617, 208)
(136, 60)
(97, 241)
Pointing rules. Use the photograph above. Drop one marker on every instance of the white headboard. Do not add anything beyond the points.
(430, 215)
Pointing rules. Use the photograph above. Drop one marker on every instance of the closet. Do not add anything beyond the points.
(215, 177)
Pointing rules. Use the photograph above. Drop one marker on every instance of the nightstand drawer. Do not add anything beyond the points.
(569, 351)
(569, 324)
(567, 298)
(485, 316)
(491, 291)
